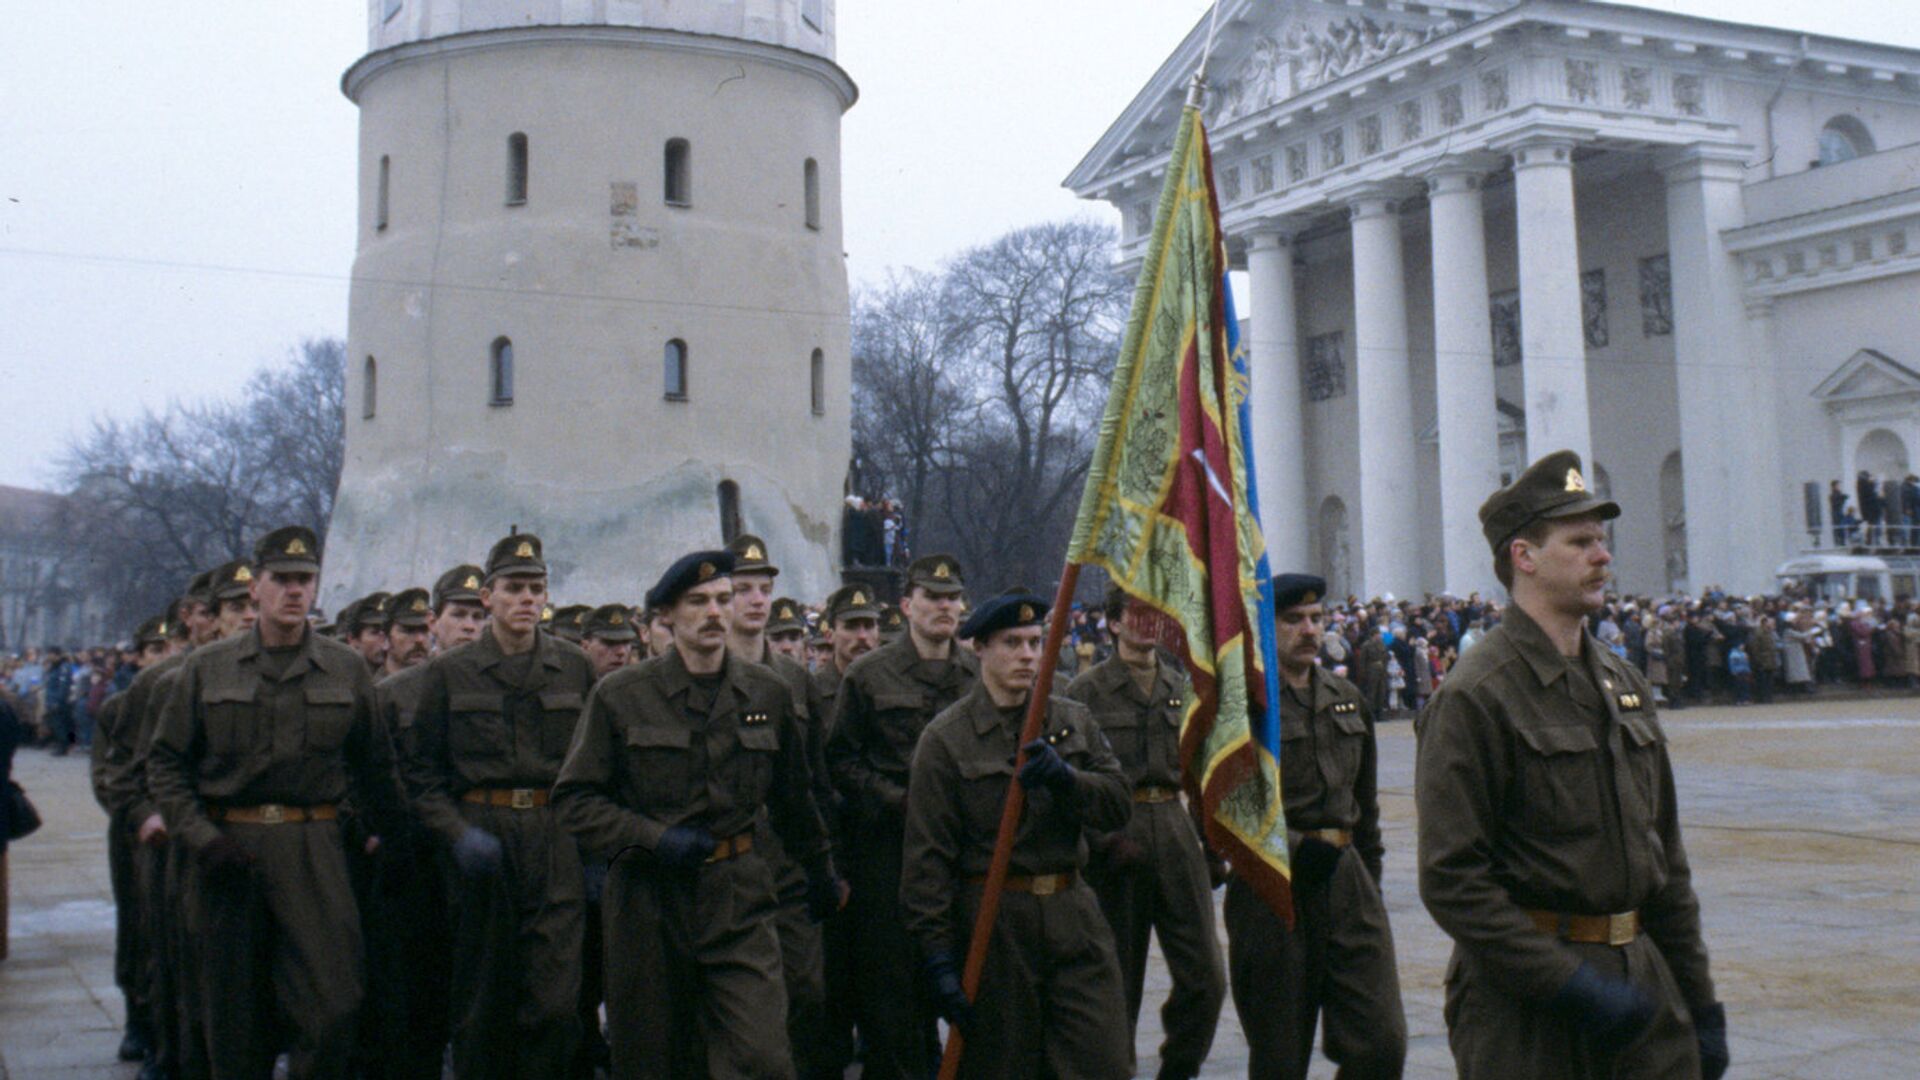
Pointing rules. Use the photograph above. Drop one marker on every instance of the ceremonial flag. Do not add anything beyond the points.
(1169, 513)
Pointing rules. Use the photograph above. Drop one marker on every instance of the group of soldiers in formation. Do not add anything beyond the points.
(456, 828)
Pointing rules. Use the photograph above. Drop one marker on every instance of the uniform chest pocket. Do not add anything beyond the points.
(1559, 771)
(1349, 745)
(983, 790)
(1645, 745)
(232, 719)
(329, 716)
(559, 715)
(753, 764)
(660, 761)
(900, 718)
(477, 725)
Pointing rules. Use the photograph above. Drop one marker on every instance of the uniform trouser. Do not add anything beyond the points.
(1495, 1035)
(403, 1031)
(1169, 893)
(1335, 967)
(896, 1009)
(283, 960)
(593, 973)
(162, 977)
(517, 937)
(130, 964)
(802, 960)
(694, 987)
(1049, 1003)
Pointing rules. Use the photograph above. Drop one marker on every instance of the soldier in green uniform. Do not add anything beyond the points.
(674, 763)
(802, 961)
(886, 699)
(569, 622)
(608, 638)
(1334, 969)
(363, 625)
(1550, 846)
(261, 738)
(787, 630)
(852, 622)
(486, 744)
(409, 618)
(1050, 1001)
(110, 753)
(1152, 876)
(409, 950)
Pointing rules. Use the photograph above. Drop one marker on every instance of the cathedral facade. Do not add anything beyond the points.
(1478, 231)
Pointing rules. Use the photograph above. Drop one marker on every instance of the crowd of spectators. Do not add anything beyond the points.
(56, 692)
(1881, 513)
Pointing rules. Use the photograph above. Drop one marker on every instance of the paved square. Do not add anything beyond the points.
(1802, 819)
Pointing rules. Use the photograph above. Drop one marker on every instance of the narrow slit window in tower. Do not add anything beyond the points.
(502, 372)
(679, 173)
(517, 168)
(676, 370)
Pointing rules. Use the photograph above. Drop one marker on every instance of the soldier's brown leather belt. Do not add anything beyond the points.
(1337, 837)
(273, 814)
(519, 798)
(1036, 884)
(732, 846)
(1618, 929)
(1154, 793)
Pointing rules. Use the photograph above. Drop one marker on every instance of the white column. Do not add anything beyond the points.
(1777, 489)
(1713, 373)
(1463, 377)
(1276, 402)
(1389, 538)
(1553, 345)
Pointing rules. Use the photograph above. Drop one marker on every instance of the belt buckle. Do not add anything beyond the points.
(1046, 884)
(272, 814)
(721, 850)
(522, 799)
(1620, 929)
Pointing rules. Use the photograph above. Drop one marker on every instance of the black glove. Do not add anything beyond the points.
(949, 996)
(223, 857)
(1613, 1012)
(1045, 768)
(684, 846)
(1314, 860)
(825, 890)
(1710, 1027)
(477, 853)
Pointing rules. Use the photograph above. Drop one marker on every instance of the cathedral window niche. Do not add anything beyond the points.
(817, 380)
(730, 525)
(812, 181)
(679, 173)
(1843, 139)
(517, 169)
(675, 359)
(380, 195)
(369, 388)
(501, 371)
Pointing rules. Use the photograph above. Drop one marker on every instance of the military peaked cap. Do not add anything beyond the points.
(460, 583)
(689, 570)
(892, 623)
(611, 622)
(1014, 608)
(200, 588)
(517, 555)
(851, 602)
(409, 607)
(939, 574)
(1552, 487)
(151, 632)
(233, 581)
(293, 550)
(1293, 589)
(570, 622)
(786, 615)
(750, 555)
(367, 613)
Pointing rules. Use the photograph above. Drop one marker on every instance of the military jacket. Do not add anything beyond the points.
(1543, 783)
(959, 785)
(124, 770)
(1142, 727)
(400, 695)
(476, 726)
(642, 762)
(826, 690)
(886, 699)
(1329, 763)
(231, 733)
(106, 726)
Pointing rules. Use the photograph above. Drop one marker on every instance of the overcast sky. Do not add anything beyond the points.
(177, 179)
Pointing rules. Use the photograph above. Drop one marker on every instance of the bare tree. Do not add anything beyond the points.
(907, 405)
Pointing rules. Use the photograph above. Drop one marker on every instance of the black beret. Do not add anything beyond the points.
(1292, 589)
(686, 572)
(1013, 608)
(1552, 487)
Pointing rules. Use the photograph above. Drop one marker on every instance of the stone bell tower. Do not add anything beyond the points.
(599, 293)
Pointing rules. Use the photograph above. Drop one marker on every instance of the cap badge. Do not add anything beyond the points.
(1576, 482)
(1310, 598)
(546, 613)
(242, 574)
(419, 604)
(617, 619)
(472, 582)
(754, 553)
(859, 598)
(524, 551)
(940, 571)
(1026, 612)
(296, 546)
(706, 571)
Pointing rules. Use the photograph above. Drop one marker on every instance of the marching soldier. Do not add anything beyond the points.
(1334, 969)
(363, 625)
(260, 740)
(409, 618)
(1152, 877)
(886, 699)
(852, 622)
(787, 630)
(608, 639)
(1550, 846)
(492, 727)
(569, 623)
(1049, 1001)
(409, 953)
(672, 765)
(659, 632)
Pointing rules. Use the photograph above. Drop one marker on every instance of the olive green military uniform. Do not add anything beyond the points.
(1335, 968)
(694, 984)
(256, 749)
(886, 699)
(130, 967)
(1544, 786)
(1152, 877)
(1049, 1001)
(484, 749)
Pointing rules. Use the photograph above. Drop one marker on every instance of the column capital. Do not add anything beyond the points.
(1271, 234)
(1542, 145)
(1377, 199)
(1703, 161)
(1460, 172)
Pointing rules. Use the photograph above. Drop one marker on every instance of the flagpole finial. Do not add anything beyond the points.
(1197, 90)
